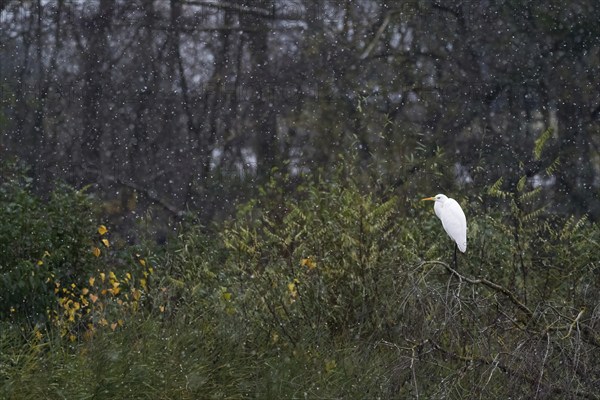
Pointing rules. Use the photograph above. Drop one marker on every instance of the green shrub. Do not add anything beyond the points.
(56, 264)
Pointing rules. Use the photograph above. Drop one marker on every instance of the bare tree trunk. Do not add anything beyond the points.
(262, 114)
(96, 74)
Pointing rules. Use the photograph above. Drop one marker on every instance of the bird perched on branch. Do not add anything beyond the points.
(453, 220)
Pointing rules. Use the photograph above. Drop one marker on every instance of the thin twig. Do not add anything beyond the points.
(487, 283)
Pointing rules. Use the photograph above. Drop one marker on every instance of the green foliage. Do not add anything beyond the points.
(321, 268)
(333, 292)
(40, 240)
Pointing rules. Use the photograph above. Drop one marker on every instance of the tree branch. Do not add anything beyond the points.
(227, 6)
(511, 372)
(146, 192)
(513, 298)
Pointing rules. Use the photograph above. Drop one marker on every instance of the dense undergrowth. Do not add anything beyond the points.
(326, 293)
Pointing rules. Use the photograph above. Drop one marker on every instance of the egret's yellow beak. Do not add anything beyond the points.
(428, 198)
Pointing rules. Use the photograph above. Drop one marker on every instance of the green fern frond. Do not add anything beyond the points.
(540, 142)
(531, 216)
(521, 183)
(495, 190)
(553, 167)
(528, 196)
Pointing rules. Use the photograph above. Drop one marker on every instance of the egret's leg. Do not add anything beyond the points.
(455, 258)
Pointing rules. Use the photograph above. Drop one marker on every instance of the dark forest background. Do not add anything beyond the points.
(191, 105)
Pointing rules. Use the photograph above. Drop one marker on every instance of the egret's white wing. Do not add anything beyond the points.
(454, 222)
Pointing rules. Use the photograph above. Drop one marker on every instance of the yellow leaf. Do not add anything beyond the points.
(92, 280)
(309, 263)
(142, 262)
(143, 283)
(227, 296)
(85, 291)
(136, 294)
(112, 276)
(102, 230)
(102, 276)
(46, 254)
(292, 288)
(105, 242)
(96, 251)
(40, 263)
(162, 308)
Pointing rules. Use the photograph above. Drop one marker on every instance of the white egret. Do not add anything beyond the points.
(453, 220)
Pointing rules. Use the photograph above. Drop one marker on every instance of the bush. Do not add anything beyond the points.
(337, 281)
(40, 240)
(56, 262)
(330, 291)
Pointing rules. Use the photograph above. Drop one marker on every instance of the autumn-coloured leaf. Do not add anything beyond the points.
(40, 263)
(85, 291)
(161, 308)
(142, 262)
(92, 280)
(93, 297)
(292, 289)
(102, 230)
(105, 242)
(96, 251)
(102, 276)
(136, 294)
(309, 263)
(113, 326)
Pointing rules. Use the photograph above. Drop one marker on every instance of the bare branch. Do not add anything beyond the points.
(227, 6)
(488, 283)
